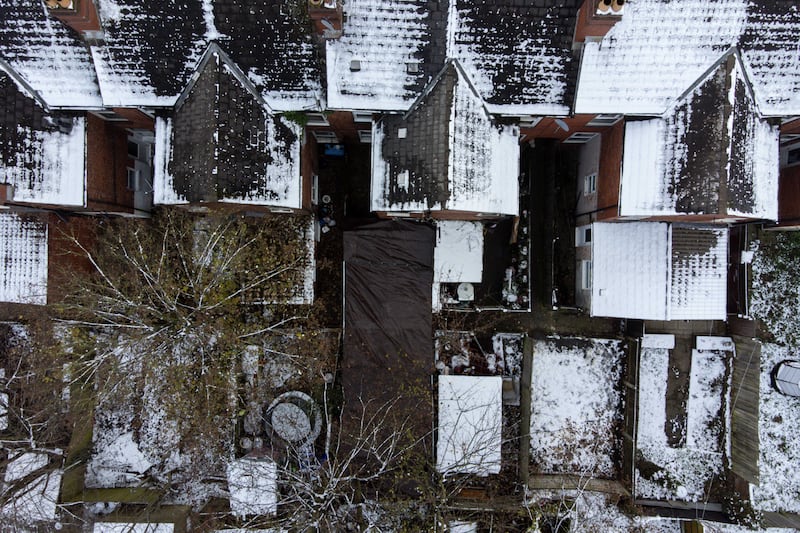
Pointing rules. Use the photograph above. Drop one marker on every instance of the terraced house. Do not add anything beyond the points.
(398, 265)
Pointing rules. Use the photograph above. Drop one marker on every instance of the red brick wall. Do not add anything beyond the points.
(82, 18)
(65, 260)
(791, 127)
(610, 170)
(547, 128)
(789, 196)
(591, 25)
(341, 122)
(106, 167)
(308, 167)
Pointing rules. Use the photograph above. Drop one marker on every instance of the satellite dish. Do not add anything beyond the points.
(561, 124)
(327, 24)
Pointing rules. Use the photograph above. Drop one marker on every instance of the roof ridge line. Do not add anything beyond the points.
(23, 85)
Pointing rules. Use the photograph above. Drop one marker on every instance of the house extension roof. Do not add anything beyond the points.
(23, 254)
(152, 47)
(446, 153)
(224, 144)
(253, 486)
(48, 56)
(659, 271)
(710, 154)
(660, 47)
(41, 155)
(470, 425)
(517, 53)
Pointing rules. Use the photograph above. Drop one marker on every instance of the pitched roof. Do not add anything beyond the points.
(23, 254)
(445, 153)
(42, 156)
(709, 154)
(152, 47)
(518, 54)
(660, 47)
(223, 144)
(659, 271)
(50, 58)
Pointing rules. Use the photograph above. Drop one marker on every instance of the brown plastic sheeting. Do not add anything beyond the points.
(388, 341)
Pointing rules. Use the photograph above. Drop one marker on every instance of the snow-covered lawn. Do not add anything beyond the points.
(594, 511)
(779, 447)
(664, 472)
(135, 443)
(775, 298)
(576, 406)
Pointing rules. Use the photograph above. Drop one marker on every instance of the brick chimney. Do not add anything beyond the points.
(80, 15)
(595, 18)
(326, 15)
(6, 193)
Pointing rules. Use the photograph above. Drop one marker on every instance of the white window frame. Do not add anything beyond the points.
(362, 116)
(109, 115)
(365, 136)
(601, 120)
(316, 119)
(134, 178)
(581, 234)
(326, 137)
(795, 149)
(586, 274)
(590, 184)
(580, 137)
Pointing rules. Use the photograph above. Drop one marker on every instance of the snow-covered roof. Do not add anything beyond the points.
(659, 271)
(660, 48)
(244, 154)
(458, 256)
(519, 56)
(23, 254)
(446, 153)
(710, 154)
(470, 425)
(48, 56)
(152, 48)
(253, 486)
(41, 155)
(131, 527)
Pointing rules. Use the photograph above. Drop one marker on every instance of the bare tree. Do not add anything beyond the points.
(168, 306)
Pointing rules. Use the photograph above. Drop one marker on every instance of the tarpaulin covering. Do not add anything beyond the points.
(388, 341)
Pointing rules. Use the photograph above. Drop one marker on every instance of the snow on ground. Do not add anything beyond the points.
(667, 473)
(716, 527)
(704, 429)
(779, 447)
(595, 511)
(775, 298)
(576, 406)
(37, 499)
(121, 527)
(134, 441)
